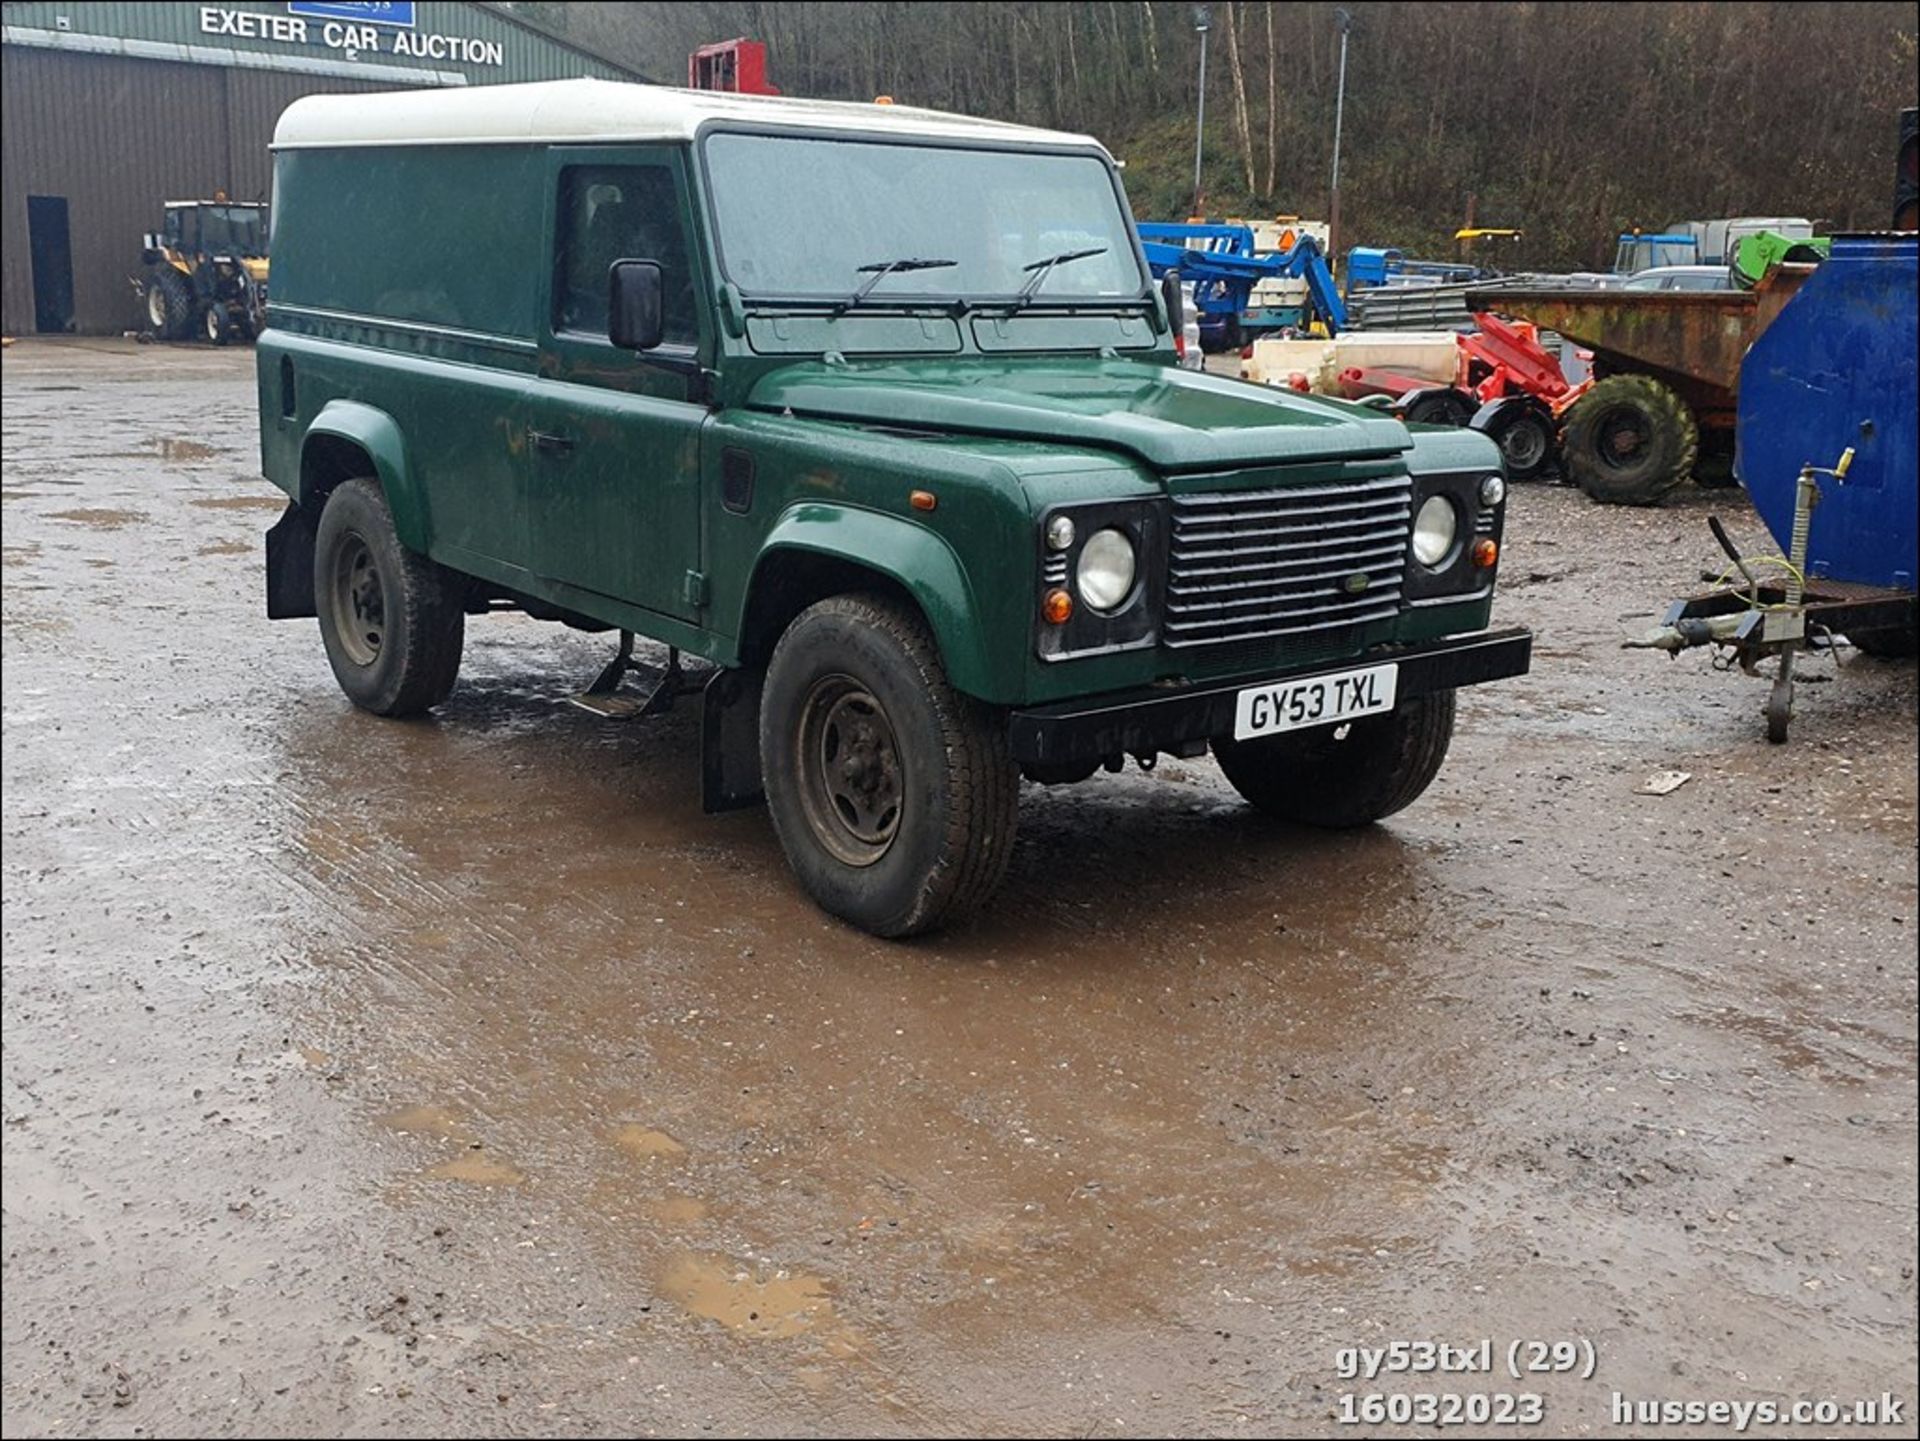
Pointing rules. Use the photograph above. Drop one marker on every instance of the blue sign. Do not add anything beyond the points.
(397, 13)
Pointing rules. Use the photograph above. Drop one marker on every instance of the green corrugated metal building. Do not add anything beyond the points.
(109, 110)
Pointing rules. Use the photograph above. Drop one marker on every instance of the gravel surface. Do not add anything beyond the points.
(461, 1076)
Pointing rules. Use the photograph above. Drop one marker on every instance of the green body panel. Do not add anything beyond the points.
(565, 471)
(914, 557)
(1174, 419)
(379, 435)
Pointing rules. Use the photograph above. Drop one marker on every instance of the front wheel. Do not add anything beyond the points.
(1347, 775)
(392, 621)
(894, 796)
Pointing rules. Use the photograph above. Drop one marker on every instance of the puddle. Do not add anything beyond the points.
(186, 450)
(719, 1289)
(227, 547)
(643, 1143)
(425, 1121)
(243, 502)
(475, 1169)
(100, 519)
(674, 1210)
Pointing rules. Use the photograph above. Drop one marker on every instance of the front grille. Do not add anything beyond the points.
(1254, 563)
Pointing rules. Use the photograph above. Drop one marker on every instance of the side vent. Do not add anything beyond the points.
(736, 480)
(288, 402)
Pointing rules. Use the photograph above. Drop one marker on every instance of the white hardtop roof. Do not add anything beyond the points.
(586, 111)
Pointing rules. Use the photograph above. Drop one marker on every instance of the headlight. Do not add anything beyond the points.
(1105, 576)
(1434, 530)
(1060, 533)
(1493, 490)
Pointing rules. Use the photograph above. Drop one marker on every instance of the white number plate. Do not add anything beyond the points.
(1292, 705)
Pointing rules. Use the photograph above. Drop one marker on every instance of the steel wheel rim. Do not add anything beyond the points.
(156, 307)
(1622, 438)
(214, 326)
(358, 601)
(851, 786)
(1525, 444)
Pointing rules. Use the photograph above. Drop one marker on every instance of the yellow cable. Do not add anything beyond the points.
(1724, 581)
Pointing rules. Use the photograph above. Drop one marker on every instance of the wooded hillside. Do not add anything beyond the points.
(1571, 121)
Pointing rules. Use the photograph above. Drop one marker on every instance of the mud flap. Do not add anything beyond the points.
(730, 740)
(290, 566)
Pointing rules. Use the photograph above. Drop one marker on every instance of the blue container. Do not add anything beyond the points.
(1839, 367)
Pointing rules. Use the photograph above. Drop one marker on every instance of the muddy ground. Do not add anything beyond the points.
(461, 1076)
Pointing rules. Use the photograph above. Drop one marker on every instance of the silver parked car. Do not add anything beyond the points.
(1681, 277)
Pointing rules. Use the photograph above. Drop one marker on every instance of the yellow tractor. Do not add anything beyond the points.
(207, 271)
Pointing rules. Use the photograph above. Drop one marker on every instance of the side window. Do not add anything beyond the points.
(619, 212)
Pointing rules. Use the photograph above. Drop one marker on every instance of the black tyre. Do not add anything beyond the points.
(1525, 435)
(392, 620)
(1344, 776)
(1900, 642)
(169, 304)
(1438, 407)
(1629, 441)
(213, 324)
(894, 796)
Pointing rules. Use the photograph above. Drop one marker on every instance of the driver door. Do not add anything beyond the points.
(612, 439)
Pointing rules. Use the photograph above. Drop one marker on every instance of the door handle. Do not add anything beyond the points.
(550, 441)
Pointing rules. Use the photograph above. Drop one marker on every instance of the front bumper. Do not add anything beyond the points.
(1142, 722)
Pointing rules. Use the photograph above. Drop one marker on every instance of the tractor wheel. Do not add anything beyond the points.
(213, 323)
(1629, 441)
(169, 304)
(1899, 642)
(1525, 437)
(1439, 407)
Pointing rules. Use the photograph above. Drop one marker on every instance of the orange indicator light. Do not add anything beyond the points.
(1486, 551)
(1057, 607)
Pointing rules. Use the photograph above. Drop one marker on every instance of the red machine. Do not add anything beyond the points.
(1506, 385)
(738, 65)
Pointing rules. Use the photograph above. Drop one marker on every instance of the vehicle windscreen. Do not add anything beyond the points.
(241, 229)
(802, 218)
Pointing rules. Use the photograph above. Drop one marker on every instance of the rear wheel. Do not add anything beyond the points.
(1348, 775)
(1525, 437)
(1629, 440)
(169, 304)
(1438, 407)
(894, 796)
(1900, 642)
(392, 621)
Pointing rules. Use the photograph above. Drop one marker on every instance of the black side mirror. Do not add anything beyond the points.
(1175, 302)
(634, 289)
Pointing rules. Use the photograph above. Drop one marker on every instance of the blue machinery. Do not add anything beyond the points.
(1835, 378)
(1224, 268)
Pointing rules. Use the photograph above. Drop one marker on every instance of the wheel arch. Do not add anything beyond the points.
(819, 550)
(1496, 410)
(349, 438)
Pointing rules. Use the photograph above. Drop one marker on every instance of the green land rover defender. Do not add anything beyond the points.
(875, 411)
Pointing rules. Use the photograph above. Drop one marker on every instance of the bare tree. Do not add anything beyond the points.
(1239, 92)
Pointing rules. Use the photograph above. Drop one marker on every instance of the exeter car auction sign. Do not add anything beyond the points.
(353, 30)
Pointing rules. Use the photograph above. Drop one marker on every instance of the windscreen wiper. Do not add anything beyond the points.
(1041, 269)
(880, 270)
